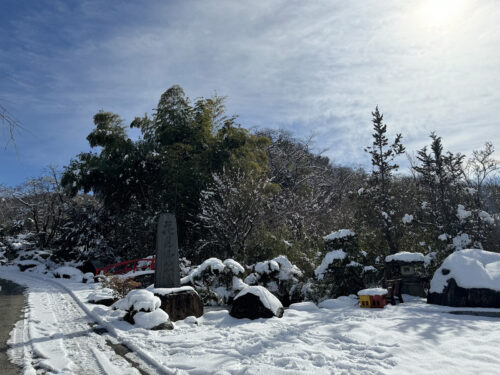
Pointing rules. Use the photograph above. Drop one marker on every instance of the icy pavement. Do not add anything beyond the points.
(336, 338)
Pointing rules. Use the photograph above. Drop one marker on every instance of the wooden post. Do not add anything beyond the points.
(167, 274)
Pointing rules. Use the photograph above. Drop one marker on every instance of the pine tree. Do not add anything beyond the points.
(383, 166)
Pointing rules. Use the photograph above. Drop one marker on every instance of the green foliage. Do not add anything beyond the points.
(382, 157)
(182, 146)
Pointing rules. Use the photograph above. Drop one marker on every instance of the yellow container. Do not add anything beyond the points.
(364, 301)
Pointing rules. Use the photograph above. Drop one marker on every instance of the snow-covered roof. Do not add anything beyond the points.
(405, 256)
(265, 296)
(372, 292)
(471, 268)
(339, 234)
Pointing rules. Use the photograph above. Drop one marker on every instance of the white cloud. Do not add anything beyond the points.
(311, 67)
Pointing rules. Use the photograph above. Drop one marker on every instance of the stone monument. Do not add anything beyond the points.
(167, 274)
(178, 302)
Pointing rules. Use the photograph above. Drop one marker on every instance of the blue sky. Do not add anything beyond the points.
(314, 68)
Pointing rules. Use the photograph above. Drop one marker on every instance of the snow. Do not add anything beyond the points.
(55, 336)
(407, 219)
(288, 271)
(165, 291)
(329, 258)
(252, 278)
(372, 292)
(369, 269)
(486, 217)
(462, 213)
(265, 296)
(471, 268)
(461, 241)
(148, 320)
(405, 256)
(213, 264)
(339, 234)
(267, 266)
(429, 258)
(69, 272)
(336, 337)
(101, 294)
(443, 237)
(353, 263)
(138, 300)
(234, 266)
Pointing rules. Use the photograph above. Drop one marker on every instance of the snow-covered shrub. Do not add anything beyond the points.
(280, 277)
(138, 300)
(185, 266)
(120, 286)
(341, 271)
(216, 281)
(143, 310)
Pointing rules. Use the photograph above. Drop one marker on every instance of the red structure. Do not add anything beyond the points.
(127, 266)
(378, 301)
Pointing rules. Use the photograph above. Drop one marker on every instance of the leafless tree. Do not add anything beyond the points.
(10, 123)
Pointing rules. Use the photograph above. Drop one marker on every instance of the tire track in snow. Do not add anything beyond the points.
(55, 336)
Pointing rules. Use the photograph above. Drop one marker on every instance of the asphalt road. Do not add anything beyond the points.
(12, 302)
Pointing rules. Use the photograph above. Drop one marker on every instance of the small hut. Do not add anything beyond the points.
(409, 267)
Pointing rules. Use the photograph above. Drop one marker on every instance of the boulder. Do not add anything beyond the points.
(155, 320)
(255, 302)
(179, 303)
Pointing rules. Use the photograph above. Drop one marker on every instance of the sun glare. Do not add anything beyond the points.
(440, 13)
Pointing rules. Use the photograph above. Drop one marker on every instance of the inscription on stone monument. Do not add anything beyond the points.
(167, 274)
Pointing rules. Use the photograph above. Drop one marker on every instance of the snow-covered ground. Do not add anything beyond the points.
(337, 337)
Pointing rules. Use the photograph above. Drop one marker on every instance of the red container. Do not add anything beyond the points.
(378, 301)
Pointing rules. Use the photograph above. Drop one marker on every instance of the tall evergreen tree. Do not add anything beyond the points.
(383, 165)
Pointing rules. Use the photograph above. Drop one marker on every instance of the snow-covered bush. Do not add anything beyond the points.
(216, 281)
(341, 271)
(143, 310)
(119, 285)
(280, 277)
